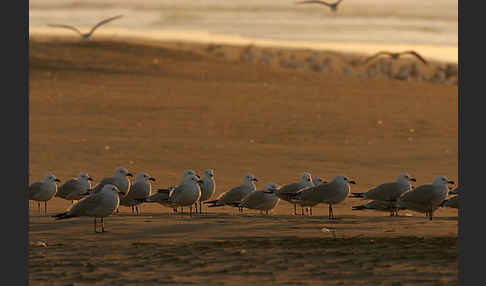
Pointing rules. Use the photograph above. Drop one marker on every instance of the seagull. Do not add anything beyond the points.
(207, 187)
(235, 194)
(97, 205)
(43, 191)
(330, 193)
(396, 55)
(75, 189)
(263, 200)
(388, 192)
(285, 192)
(426, 198)
(332, 6)
(86, 36)
(142, 189)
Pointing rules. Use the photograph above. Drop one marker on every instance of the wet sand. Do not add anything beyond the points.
(165, 107)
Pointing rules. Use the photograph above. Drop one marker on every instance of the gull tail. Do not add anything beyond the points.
(357, 195)
(443, 202)
(63, 215)
(357, 208)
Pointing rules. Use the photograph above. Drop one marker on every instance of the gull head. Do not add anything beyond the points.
(188, 172)
(248, 178)
(305, 177)
(50, 178)
(209, 173)
(142, 177)
(270, 188)
(442, 180)
(122, 172)
(84, 177)
(404, 177)
(344, 179)
(193, 179)
(317, 181)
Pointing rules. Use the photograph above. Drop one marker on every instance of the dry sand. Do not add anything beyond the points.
(162, 108)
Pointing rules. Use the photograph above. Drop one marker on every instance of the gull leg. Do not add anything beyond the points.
(306, 211)
(38, 204)
(311, 211)
(301, 210)
(295, 209)
(102, 225)
(190, 210)
(430, 215)
(182, 210)
(95, 225)
(45, 208)
(200, 207)
(330, 211)
(266, 212)
(136, 208)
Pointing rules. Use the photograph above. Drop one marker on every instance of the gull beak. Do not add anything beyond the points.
(254, 179)
(200, 181)
(413, 180)
(129, 175)
(90, 179)
(450, 182)
(57, 180)
(151, 179)
(352, 182)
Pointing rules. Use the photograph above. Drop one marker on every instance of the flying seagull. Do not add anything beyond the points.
(332, 6)
(86, 36)
(395, 56)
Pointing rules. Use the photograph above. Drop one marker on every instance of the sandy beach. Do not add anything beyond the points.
(162, 107)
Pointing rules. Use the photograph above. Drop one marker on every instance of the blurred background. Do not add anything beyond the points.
(430, 27)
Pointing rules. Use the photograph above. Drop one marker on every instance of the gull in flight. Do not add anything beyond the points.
(395, 55)
(86, 36)
(332, 6)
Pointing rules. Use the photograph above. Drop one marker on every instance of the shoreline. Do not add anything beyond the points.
(439, 54)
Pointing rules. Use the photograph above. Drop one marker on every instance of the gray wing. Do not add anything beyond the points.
(67, 27)
(252, 199)
(86, 206)
(386, 192)
(104, 182)
(137, 191)
(36, 188)
(68, 187)
(234, 195)
(286, 192)
(420, 195)
(104, 22)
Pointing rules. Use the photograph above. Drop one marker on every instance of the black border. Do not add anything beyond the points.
(15, 119)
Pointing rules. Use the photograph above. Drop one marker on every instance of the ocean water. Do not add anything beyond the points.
(429, 27)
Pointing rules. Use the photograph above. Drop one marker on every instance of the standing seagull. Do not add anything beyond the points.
(395, 56)
(330, 193)
(285, 192)
(388, 192)
(263, 200)
(98, 205)
(75, 189)
(187, 193)
(142, 189)
(332, 6)
(208, 187)
(86, 36)
(43, 191)
(426, 198)
(235, 194)
(119, 179)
